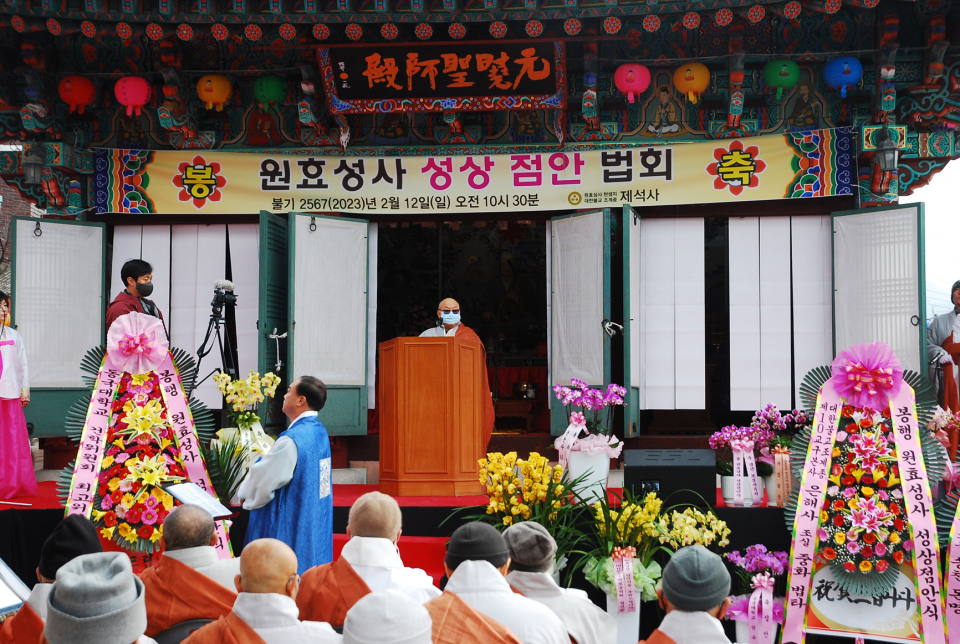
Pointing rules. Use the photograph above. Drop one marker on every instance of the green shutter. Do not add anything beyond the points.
(345, 412)
(273, 312)
(558, 414)
(630, 225)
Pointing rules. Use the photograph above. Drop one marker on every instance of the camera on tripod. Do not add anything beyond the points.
(222, 296)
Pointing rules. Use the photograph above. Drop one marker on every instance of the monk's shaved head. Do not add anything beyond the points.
(448, 303)
(375, 515)
(266, 566)
(188, 526)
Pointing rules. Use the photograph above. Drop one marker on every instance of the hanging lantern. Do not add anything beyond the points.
(77, 92)
(632, 79)
(133, 92)
(843, 73)
(269, 90)
(692, 80)
(214, 90)
(782, 74)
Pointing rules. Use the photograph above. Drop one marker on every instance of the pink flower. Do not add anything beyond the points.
(853, 547)
(106, 503)
(867, 375)
(121, 458)
(151, 502)
(880, 549)
(149, 516)
(121, 511)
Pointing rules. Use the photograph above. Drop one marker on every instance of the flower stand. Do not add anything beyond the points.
(596, 466)
(726, 489)
(628, 624)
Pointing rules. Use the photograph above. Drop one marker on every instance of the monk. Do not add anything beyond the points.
(188, 582)
(943, 345)
(73, 537)
(448, 325)
(368, 563)
(455, 622)
(266, 608)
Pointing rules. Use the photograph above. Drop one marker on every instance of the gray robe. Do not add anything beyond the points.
(938, 331)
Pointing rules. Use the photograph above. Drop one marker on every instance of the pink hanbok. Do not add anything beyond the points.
(16, 463)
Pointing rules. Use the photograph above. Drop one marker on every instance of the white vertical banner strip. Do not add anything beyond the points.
(155, 249)
(183, 287)
(126, 246)
(689, 314)
(812, 305)
(373, 243)
(548, 240)
(211, 266)
(658, 315)
(245, 269)
(577, 329)
(776, 371)
(744, 269)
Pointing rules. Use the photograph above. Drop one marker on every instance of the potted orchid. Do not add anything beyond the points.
(588, 444)
(737, 449)
(243, 396)
(776, 454)
(761, 583)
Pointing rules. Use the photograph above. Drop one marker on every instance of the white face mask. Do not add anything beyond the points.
(450, 317)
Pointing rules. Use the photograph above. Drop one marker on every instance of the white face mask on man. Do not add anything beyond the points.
(449, 317)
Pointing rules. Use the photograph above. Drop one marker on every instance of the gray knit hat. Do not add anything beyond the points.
(476, 542)
(530, 546)
(387, 617)
(695, 579)
(96, 598)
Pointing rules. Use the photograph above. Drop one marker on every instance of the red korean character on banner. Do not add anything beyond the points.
(479, 178)
(532, 163)
(441, 179)
(559, 162)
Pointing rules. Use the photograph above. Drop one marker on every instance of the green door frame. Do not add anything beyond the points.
(345, 413)
(558, 417)
(921, 272)
(273, 313)
(48, 407)
(631, 413)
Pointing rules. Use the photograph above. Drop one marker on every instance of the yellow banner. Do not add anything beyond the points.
(783, 166)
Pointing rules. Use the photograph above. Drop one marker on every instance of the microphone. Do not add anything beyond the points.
(225, 285)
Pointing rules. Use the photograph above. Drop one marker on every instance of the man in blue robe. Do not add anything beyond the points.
(289, 491)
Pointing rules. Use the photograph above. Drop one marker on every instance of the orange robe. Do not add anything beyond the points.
(327, 592)
(466, 333)
(25, 627)
(455, 622)
(175, 592)
(228, 629)
(656, 637)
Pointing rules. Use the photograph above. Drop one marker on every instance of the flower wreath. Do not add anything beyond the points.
(864, 533)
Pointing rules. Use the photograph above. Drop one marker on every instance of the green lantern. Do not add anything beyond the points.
(782, 74)
(269, 90)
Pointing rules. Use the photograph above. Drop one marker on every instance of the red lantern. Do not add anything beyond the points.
(77, 92)
(132, 91)
(632, 79)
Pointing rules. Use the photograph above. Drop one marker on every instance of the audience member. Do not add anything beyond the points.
(96, 598)
(74, 536)
(266, 608)
(387, 617)
(455, 622)
(476, 564)
(695, 592)
(368, 563)
(531, 550)
(189, 581)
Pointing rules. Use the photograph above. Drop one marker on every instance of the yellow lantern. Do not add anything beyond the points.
(214, 90)
(691, 80)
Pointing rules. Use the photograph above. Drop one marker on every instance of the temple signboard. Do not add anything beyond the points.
(444, 77)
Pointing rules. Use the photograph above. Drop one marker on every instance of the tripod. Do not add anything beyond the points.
(221, 341)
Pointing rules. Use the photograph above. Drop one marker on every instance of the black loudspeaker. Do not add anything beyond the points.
(676, 475)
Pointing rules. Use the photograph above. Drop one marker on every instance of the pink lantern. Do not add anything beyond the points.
(632, 79)
(134, 92)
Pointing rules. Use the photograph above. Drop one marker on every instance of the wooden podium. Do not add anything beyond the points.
(431, 416)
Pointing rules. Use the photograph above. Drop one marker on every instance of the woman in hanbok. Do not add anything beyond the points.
(16, 462)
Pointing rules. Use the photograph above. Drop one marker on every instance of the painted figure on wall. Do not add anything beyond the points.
(665, 120)
(807, 108)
